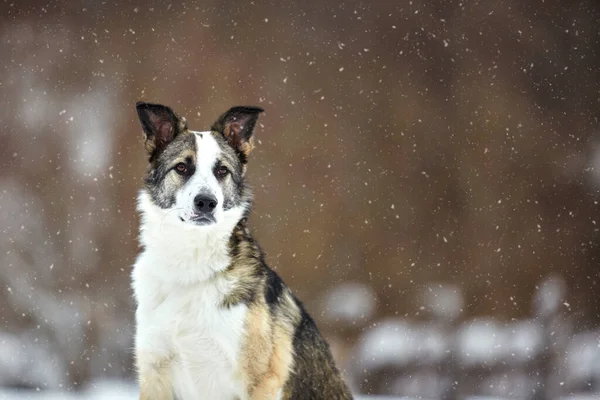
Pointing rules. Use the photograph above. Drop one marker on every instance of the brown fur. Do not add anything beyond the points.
(257, 349)
(279, 367)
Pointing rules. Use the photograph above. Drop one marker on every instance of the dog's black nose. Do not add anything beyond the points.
(205, 204)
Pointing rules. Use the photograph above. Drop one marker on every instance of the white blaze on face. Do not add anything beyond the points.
(203, 181)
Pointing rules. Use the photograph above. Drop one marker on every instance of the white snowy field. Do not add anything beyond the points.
(102, 390)
(120, 390)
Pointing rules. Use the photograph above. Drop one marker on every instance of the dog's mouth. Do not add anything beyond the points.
(203, 219)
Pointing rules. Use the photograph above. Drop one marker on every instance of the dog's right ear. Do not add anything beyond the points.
(160, 124)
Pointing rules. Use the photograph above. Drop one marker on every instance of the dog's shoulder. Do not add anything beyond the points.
(253, 282)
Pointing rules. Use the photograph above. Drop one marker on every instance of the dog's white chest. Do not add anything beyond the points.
(203, 338)
(207, 343)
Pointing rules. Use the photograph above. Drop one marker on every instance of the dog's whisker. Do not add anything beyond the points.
(168, 212)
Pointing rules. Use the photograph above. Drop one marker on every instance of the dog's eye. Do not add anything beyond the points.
(222, 171)
(181, 168)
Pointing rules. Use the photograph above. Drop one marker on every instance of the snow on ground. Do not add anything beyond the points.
(103, 390)
(122, 390)
(583, 355)
(392, 341)
(99, 390)
(350, 302)
(117, 390)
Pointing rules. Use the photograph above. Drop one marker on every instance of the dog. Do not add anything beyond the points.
(213, 321)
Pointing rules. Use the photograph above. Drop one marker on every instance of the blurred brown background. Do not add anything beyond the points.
(405, 144)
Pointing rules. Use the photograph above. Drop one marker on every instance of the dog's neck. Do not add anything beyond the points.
(180, 254)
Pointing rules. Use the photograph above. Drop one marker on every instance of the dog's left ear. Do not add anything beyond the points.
(237, 125)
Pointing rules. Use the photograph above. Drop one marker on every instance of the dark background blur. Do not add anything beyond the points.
(407, 148)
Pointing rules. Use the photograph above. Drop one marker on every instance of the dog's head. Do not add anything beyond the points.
(197, 178)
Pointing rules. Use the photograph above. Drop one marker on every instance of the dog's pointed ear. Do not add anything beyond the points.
(160, 124)
(237, 125)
